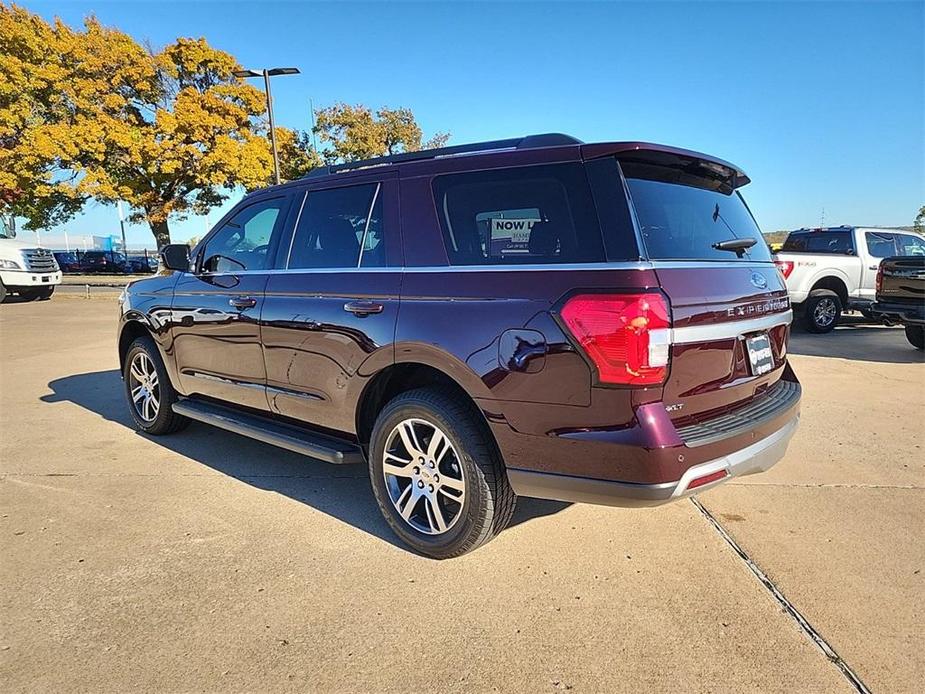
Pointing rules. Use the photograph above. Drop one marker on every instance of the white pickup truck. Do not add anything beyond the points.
(831, 269)
(26, 269)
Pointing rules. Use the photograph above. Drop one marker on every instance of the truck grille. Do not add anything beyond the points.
(780, 396)
(39, 260)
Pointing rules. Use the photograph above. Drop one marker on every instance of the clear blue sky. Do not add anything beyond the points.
(822, 103)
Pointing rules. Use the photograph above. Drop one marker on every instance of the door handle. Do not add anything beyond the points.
(363, 308)
(242, 302)
(873, 267)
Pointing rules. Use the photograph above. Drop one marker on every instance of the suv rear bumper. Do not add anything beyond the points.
(758, 457)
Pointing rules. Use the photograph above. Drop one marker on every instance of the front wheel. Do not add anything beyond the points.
(148, 389)
(916, 336)
(437, 475)
(821, 311)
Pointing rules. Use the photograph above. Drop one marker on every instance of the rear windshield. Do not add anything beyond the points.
(683, 221)
(823, 241)
(531, 214)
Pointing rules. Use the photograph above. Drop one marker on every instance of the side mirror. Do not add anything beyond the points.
(175, 256)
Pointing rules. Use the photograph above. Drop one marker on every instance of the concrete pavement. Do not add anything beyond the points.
(205, 561)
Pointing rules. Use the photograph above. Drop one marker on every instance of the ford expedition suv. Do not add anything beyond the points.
(538, 316)
(831, 269)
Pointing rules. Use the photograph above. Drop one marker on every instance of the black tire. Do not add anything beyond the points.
(165, 420)
(488, 501)
(3, 292)
(30, 294)
(821, 311)
(916, 336)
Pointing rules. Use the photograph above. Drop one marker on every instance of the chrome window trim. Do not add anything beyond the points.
(369, 214)
(295, 227)
(547, 267)
(728, 329)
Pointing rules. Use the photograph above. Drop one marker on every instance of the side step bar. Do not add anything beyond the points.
(270, 431)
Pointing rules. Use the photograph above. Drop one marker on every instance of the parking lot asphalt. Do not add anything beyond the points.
(205, 561)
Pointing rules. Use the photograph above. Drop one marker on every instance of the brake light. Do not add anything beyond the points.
(879, 279)
(785, 267)
(625, 336)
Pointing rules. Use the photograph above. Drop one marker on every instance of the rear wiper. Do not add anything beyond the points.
(738, 246)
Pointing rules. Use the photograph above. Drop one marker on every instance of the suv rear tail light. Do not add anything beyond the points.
(625, 336)
(785, 267)
(879, 288)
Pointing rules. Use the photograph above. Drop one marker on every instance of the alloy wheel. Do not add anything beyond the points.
(423, 476)
(144, 388)
(824, 313)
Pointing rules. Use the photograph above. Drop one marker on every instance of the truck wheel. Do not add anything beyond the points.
(916, 336)
(821, 311)
(437, 475)
(148, 389)
(3, 293)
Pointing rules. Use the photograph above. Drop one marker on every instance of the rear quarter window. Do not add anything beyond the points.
(525, 215)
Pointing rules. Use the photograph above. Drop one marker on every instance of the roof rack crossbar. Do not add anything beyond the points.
(528, 142)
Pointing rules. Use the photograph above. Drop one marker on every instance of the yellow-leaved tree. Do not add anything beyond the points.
(35, 116)
(170, 132)
(90, 113)
(358, 132)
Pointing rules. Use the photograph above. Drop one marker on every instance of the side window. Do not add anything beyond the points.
(335, 225)
(880, 245)
(243, 242)
(819, 242)
(534, 214)
(910, 245)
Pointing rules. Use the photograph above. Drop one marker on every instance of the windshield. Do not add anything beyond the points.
(684, 222)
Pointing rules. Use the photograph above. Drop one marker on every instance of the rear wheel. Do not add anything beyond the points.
(916, 336)
(148, 389)
(3, 293)
(436, 474)
(821, 311)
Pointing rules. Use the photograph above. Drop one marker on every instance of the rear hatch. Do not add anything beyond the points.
(729, 305)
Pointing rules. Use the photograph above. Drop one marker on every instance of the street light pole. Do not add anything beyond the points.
(267, 74)
(266, 81)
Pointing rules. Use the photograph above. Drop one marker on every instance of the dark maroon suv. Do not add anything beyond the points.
(540, 317)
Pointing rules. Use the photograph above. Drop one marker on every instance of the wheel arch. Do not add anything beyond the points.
(130, 331)
(833, 283)
(401, 377)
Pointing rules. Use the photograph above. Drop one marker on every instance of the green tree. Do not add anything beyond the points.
(919, 223)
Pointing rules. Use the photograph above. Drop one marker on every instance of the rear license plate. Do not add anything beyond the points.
(759, 354)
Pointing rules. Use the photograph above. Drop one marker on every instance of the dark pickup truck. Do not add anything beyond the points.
(901, 294)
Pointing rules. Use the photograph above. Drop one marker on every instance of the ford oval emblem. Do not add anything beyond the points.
(759, 281)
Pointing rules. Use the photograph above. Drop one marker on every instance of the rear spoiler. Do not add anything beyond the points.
(686, 160)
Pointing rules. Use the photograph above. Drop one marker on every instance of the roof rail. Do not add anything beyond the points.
(528, 142)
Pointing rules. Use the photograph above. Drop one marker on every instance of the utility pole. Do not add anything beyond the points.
(267, 74)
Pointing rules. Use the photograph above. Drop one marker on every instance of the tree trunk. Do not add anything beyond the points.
(161, 233)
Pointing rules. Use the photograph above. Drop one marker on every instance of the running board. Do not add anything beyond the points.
(314, 445)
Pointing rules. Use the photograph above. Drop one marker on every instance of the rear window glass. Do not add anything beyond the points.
(533, 214)
(683, 221)
(820, 242)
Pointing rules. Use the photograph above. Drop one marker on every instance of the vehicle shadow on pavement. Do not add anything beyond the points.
(859, 340)
(341, 491)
